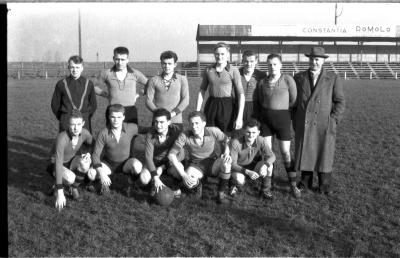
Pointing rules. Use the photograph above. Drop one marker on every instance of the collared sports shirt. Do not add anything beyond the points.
(175, 98)
(250, 86)
(280, 95)
(196, 152)
(122, 92)
(242, 154)
(114, 151)
(156, 152)
(220, 84)
(62, 150)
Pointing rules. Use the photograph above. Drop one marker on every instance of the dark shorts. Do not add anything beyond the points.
(248, 111)
(115, 167)
(252, 165)
(204, 165)
(131, 114)
(220, 113)
(276, 122)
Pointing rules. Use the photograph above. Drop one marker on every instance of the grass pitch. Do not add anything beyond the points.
(362, 219)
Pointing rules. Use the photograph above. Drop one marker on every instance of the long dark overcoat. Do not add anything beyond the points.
(315, 117)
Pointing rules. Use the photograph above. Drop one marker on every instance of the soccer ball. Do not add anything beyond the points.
(164, 196)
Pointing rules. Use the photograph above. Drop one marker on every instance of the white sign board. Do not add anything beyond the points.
(312, 30)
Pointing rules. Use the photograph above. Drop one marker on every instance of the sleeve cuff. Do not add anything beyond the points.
(153, 173)
(243, 170)
(97, 166)
(176, 110)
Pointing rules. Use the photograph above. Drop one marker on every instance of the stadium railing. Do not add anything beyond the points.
(346, 70)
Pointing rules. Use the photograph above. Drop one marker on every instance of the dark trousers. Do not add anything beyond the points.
(324, 180)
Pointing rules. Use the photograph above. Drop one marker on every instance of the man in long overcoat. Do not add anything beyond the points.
(319, 108)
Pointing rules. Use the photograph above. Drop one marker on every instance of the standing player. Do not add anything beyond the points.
(222, 81)
(250, 77)
(121, 81)
(251, 156)
(199, 142)
(320, 107)
(169, 90)
(74, 92)
(66, 146)
(275, 96)
(158, 142)
(114, 141)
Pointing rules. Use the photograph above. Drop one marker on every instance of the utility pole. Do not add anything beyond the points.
(97, 57)
(337, 15)
(80, 35)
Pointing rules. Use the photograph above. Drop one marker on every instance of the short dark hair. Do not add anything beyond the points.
(252, 122)
(273, 55)
(115, 108)
(121, 51)
(76, 59)
(168, 55)
(161, 112)
(222, 44)
(247, 53)
(197, 113)
(75, 113)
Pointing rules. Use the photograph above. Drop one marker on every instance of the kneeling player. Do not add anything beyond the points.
(199, 143)
(114, 141)
(251, 157)
(64, 161)
(158, 142)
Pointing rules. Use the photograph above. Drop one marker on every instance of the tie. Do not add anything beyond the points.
(314, 79)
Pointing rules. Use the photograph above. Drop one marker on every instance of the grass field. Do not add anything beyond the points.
(361, 219)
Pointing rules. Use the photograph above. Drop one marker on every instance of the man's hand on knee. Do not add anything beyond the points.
(189, 181)
(252, 174)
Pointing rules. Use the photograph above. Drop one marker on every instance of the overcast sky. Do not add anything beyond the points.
(40, 31)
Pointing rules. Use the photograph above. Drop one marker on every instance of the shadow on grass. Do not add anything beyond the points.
(27, 161)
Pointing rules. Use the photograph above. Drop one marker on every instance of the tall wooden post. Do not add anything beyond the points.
(80, 35)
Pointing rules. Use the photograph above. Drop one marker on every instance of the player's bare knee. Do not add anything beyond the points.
(239, 178)
(68, 177)
(263, 169)
(91, 174)
(145, 177)
(137, 166)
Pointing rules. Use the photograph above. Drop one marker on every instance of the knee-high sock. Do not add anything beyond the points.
(292, 175)
(223, 181)
(266, 183)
